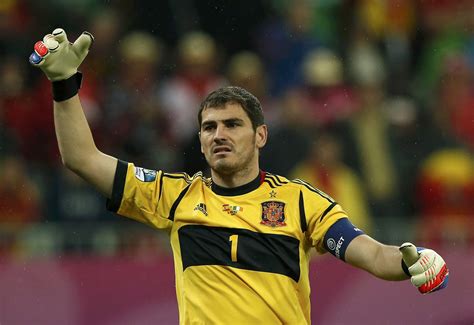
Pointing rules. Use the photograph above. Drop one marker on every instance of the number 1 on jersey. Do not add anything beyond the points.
(234, 239)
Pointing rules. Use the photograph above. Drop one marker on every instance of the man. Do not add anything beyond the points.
(240, 239)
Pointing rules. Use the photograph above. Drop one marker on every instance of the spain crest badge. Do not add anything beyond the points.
(273, 214)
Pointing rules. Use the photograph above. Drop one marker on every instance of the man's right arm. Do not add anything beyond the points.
(78, 150)
(60, 59)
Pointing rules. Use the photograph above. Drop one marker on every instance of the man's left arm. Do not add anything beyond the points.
(425, 267)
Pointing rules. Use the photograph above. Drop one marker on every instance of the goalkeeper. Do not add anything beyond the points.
(240, 239)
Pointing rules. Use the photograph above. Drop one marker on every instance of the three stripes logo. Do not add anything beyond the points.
(313, 189)
(274, 181)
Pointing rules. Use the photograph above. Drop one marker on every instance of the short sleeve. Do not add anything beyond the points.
(321, 213)
(145, 195)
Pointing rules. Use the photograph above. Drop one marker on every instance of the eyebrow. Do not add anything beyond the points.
(230, 120)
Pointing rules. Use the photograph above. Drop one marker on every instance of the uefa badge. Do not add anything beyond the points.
(145, 175)
(273, 214)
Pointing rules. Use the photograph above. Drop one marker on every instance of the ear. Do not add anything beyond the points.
(261, 135)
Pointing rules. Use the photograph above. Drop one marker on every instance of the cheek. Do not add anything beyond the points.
(247, 144)
(204, 144)
(204, 148)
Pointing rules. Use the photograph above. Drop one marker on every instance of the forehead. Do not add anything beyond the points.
(227, 111)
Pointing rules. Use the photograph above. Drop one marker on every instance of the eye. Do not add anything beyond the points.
(208, 127)
(232, 124)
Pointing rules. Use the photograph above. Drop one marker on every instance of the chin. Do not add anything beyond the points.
(224, 168)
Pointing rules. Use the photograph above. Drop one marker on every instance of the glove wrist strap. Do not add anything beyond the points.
(67, 88)
(405, 269)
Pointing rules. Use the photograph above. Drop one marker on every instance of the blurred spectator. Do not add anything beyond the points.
(28, 124)
(439, 15)
(411, 140)
(449, 29)
(12, 106)
(102, 63)
(329, 21)
(328, 97)
(454, 100)
(20, 202)
(196, 76)
(16, 19)
(288, 142)
(76, 200)
(103, 60)
(445, 193)
(391, 26)
(367, 134)
(8, 143)
(19, 195)
(247, 70)
(325, 169)
(134, 122)
(284, 42)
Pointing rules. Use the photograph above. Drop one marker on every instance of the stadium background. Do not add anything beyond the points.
(371, 101)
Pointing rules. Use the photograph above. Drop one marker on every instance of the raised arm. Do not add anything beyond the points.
(59, 59)
(78, 150)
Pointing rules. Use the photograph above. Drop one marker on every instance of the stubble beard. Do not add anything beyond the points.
(226, 168)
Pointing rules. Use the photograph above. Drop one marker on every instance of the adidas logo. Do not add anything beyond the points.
(201, 207)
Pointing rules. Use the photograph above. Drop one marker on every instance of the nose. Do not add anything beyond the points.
(220, 134)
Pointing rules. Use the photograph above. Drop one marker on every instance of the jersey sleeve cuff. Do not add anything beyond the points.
(113, 204)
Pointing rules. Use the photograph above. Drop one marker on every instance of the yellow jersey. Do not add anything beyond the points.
(241, 255)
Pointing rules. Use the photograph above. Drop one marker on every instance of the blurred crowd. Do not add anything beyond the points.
(371, 101)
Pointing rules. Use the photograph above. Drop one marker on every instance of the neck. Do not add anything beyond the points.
(237, 179)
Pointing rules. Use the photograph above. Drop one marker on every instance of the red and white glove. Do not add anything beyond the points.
(427, 268)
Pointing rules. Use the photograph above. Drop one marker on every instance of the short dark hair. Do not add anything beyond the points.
(234, 94)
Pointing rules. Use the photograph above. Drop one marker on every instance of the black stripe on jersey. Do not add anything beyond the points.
(278, 181)
(202, 245)
(175, 176)
(176, 203)
(186, 177)
(113, 204)
(161, 186)
(313, 189)
(329, 208)
(304, 225)
(270, 182)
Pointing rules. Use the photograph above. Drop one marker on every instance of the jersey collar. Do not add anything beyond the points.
(243, 189)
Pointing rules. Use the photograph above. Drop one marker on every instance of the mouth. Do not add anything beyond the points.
(221, 150)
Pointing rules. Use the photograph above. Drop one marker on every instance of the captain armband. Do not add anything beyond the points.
(338, 237)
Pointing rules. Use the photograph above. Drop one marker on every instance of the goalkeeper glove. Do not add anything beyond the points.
(59, 59)
(427, 269)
